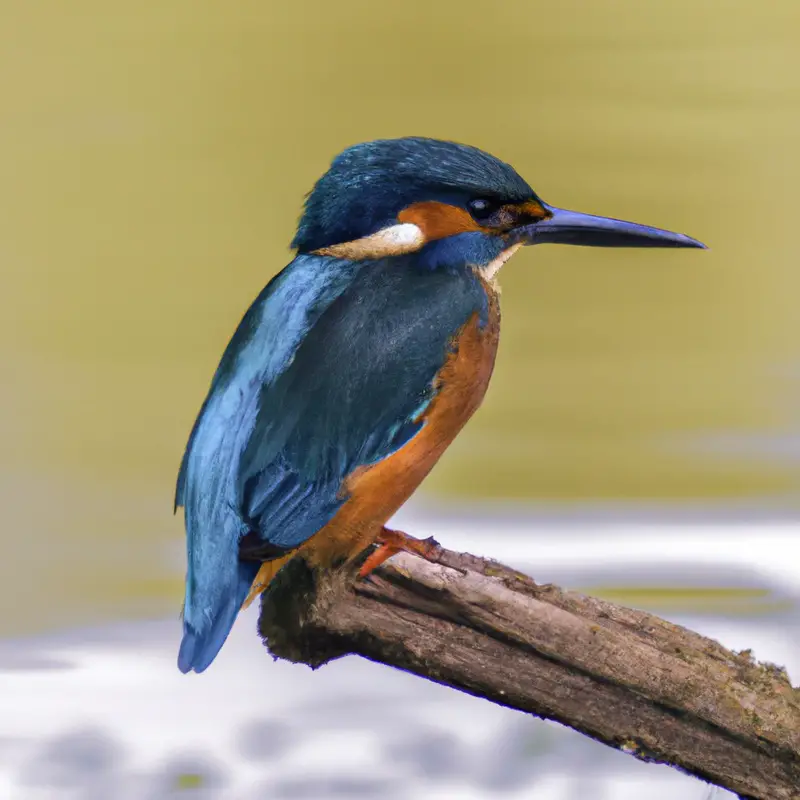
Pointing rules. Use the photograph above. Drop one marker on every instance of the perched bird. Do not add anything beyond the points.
(356, 367)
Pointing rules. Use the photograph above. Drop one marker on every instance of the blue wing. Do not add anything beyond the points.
(260, 349)
(328, 372)
(351, 396)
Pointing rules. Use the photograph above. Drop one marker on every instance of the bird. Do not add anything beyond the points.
(356, 366)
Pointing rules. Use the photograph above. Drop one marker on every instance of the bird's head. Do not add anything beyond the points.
(451, 202)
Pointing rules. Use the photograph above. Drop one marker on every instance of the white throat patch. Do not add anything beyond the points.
(490, 270)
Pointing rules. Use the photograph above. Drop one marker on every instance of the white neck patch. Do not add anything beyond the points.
(405, 237)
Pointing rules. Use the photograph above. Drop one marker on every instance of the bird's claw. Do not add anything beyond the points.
(393, 542)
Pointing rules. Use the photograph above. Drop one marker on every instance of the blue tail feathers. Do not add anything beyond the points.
(200, 647)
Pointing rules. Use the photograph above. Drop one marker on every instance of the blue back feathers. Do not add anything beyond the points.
(264, 343)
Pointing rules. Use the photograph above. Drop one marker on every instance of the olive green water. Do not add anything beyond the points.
(153, 159)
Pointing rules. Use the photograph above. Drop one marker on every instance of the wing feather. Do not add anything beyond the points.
(353, 394)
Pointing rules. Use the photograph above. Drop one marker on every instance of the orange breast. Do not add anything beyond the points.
(377, 492)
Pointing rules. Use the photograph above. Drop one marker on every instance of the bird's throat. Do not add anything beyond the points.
(489, 271)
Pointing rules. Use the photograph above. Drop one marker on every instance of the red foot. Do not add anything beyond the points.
(392, 542)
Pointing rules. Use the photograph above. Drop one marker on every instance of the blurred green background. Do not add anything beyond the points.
(153, 162)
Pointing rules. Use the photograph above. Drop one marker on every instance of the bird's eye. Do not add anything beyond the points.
(481, 208)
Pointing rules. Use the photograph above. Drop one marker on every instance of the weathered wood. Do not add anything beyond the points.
(624, 677)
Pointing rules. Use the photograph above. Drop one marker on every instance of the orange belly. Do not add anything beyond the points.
(377, 492)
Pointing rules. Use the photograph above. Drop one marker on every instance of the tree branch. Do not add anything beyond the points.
(623, 677)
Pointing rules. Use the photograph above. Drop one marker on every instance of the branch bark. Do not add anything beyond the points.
(624, 677)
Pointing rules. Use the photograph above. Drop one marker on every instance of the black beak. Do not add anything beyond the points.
(572, 227)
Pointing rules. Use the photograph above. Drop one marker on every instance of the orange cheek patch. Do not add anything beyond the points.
(438, 220)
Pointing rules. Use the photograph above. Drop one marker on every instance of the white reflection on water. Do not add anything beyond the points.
(104, 713)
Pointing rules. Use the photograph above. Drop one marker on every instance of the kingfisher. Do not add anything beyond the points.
(356, 366)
